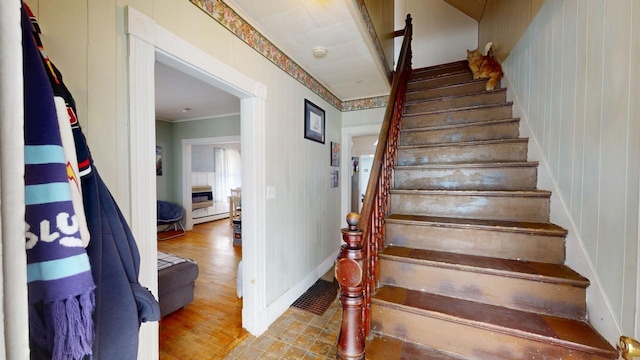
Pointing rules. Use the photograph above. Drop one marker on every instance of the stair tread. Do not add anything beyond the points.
(445, 86)
(453, 96)
(548, 328)
(492, 164)
(438, 76)
(390, 348)
(464, 143)
(461, 125)
(520, 193)
(547, 272)
(458, 109)
(439, 66)
(512, 226)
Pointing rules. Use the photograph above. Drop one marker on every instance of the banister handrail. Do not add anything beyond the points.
(357, 267)
(404, 64)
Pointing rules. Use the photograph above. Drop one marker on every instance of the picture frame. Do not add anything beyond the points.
(314, 122)
(335, 154)
(158, 160)
(334, 178)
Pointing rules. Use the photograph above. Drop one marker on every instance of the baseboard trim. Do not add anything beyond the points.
(599, 310)
(281, 304)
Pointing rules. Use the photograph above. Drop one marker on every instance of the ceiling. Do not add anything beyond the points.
(181, 97)
(296, 27)
(473, 8)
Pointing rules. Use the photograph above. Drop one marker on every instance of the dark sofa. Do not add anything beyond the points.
(176, 282)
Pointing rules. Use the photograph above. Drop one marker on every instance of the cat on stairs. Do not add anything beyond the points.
(485, 66)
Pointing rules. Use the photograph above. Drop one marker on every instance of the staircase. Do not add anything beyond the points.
(472, 268)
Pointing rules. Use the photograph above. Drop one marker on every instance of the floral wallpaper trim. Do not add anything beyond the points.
(374, 36)
(363, 104)
(233, 22)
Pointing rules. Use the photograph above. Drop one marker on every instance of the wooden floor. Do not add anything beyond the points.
(211, 326)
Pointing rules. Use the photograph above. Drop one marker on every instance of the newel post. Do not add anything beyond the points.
(349, 272)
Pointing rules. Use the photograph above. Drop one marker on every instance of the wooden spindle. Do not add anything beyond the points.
(349, 272)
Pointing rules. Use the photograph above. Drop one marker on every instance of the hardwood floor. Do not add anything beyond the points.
(211, 326)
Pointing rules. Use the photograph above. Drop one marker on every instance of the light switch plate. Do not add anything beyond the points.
(271, 192)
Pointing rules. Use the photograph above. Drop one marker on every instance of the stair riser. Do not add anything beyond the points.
(418, 74)
(505, 130)
(464, 339)
(501, 152)
(521, 294)
(499, 244)
(508, 208)
(486, 98)
(498, 178)
(457, 117)
(439, 81)
(451, 90)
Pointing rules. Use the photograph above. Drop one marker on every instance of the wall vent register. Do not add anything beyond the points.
(201, 197)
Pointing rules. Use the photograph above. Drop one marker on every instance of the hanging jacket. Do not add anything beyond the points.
(121, 303)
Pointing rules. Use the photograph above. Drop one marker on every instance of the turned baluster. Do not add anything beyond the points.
(349, 272)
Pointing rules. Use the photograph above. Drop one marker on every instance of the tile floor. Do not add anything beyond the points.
(297, 334)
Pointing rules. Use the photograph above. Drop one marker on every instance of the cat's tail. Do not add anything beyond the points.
(493, 81)
(488, 49)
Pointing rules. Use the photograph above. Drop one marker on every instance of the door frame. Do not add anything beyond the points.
(348, 133)
(147, 43)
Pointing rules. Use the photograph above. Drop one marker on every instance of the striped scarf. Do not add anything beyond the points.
(60, 284)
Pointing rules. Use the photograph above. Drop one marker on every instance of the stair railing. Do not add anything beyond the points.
(358, 265)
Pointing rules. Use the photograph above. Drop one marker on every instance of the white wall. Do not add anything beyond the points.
(86, 41)
(575, 78)
(441, 33)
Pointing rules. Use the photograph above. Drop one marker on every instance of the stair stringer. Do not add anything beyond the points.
(599, 311)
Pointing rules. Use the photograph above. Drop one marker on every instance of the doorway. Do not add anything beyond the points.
(148, 42)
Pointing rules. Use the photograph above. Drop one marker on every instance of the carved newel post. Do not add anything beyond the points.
(349, 272)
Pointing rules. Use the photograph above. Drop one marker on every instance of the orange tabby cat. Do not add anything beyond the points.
(484, 67)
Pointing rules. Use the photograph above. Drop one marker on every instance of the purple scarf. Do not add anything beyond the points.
(61, 299)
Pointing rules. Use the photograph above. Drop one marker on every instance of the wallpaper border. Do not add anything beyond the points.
(233, 22)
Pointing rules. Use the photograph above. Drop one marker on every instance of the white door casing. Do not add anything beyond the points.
(148, 42)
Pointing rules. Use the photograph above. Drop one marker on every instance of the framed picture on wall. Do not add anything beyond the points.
(335, 154)
(334, 178)
(313, 122)
(158, 161)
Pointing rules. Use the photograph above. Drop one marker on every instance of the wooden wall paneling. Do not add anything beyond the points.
(566, 136)
(593, 119)
(504, 21)
(614, 147)
(381, 13)
(472, 8)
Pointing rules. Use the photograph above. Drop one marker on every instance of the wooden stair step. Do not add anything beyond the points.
(528, 241)
(493, 332)
(436, 70)
(526, 206)
(459, 88)
(456, 101)
(500, 150)
(456, 133)
(524, 285)
(440, 80)
(473, 176)
(462, 115)
(389, 348)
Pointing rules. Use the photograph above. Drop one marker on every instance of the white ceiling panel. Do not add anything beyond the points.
(182, 97)
(296, 27)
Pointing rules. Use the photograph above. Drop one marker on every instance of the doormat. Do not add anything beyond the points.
(318, 297)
